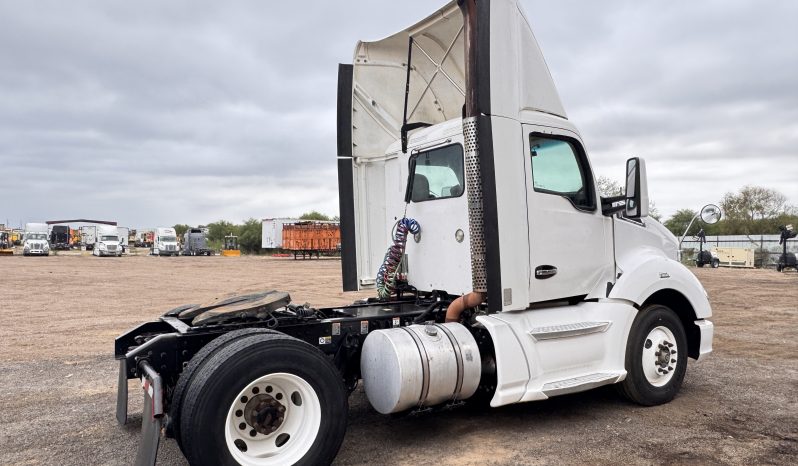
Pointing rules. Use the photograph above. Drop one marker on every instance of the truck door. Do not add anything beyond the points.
(570, 241)
(438, 202)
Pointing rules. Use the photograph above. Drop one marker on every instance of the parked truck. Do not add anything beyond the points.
(507, 278)
(60, 237)
(35, 240)
(165, 242)
(195, 242)
(107, 242)
(145, 239)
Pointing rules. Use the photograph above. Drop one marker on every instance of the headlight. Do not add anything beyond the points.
(46, 247)
(27, 246)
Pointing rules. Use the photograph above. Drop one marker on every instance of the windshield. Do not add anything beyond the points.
(37, 236)
(438, 174)
(168, 239)
(109, 238)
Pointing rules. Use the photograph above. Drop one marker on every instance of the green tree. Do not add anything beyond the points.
(754, 210)
(181, 229)
(679, 221)
(249, 237)
(218, 230)
(314, 215)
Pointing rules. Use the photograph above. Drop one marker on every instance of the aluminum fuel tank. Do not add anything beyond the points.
(419, 365)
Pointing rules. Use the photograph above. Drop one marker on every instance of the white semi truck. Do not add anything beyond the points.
(108, 242)
(165, 242)
(35, 240)
(507, 278)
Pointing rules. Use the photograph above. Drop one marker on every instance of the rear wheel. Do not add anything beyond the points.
(656, 357)
(199, 359)
(264, 400)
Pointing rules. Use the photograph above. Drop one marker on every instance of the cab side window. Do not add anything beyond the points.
(439, 174)
(559, 169)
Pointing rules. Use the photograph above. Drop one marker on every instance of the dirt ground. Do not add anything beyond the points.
(57, 374)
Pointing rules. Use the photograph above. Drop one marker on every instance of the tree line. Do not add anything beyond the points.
(249, 233)
(753, 210)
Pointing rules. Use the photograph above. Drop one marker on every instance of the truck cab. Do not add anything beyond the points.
(35, 240)
(165, 242)
(195, 242)
(107, 242)
(479, 151)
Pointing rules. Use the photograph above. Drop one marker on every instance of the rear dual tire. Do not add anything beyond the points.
(229, 413)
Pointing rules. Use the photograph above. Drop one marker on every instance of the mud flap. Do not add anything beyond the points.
(151, 416)
(121, 393)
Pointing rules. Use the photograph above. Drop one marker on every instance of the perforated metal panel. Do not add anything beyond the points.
(475, 218)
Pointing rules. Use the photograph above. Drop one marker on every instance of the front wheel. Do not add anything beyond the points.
(715, 263)
(266, 399)
(656, 357)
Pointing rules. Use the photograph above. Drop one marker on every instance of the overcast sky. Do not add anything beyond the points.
(155, 113)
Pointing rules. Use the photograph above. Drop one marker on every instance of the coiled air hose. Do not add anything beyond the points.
(386, 276)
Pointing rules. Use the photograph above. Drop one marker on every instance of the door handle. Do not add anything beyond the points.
(543, 272)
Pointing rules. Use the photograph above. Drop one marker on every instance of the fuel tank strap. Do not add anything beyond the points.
(424, 366)
(458, 356)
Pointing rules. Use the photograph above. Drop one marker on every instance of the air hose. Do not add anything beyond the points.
(386, 276)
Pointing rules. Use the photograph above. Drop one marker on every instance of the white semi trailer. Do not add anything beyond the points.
(88, 236)
(507, 277)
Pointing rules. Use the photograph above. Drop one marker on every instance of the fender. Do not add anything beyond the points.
(646, 273)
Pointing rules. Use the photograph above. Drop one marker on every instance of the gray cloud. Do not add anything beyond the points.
(157, 113)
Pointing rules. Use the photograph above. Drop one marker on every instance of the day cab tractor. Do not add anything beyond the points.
(787, 260)
(230, 246)
(507, 278)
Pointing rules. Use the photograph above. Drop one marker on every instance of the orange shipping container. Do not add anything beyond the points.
(311, 236)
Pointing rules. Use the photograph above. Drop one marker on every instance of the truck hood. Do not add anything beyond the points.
(670, 244)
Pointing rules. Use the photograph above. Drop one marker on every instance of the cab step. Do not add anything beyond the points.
(581, 383)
